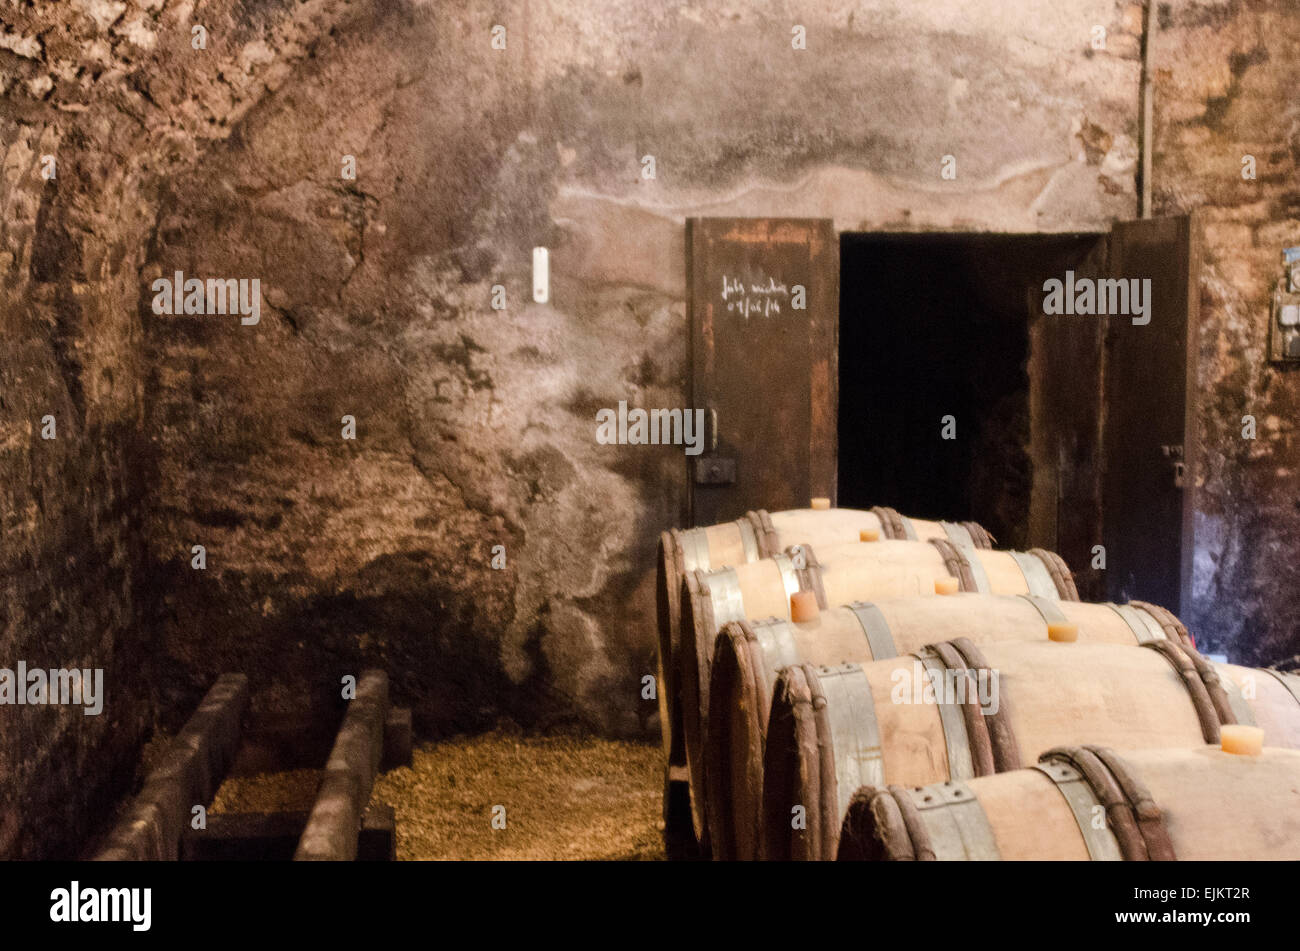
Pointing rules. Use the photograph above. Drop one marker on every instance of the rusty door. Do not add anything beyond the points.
(764, 310)
(1149, 414)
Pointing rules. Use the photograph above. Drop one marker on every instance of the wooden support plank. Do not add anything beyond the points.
(273, 837)
(188, 776)
(331, 833)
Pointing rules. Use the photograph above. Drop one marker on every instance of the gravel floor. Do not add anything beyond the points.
(564, 798)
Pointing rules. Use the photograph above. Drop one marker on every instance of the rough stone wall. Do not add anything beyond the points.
(1226, 80)
(111, 91)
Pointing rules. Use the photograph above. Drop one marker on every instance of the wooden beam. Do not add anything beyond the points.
(331, 833)
(188, 776)
(273, 837)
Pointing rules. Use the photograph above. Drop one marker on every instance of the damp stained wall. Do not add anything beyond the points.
(476, 427)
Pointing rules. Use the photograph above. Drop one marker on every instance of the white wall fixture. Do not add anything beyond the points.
(541, 276)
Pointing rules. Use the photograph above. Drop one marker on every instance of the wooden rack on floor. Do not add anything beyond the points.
(223, 739)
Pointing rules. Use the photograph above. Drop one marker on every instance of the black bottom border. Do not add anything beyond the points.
(620, 901)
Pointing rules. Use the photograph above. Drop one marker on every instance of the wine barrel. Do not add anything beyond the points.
(748, 655)
(762, 535)
(836, 575)
(1198, 804)
(834, 729)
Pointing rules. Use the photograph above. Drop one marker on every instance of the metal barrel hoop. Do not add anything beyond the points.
(1060, 573)
(1174, 629)
(917, 832)
(1002, 735)
(853, 734)
(879, 638)
(1137, 623)
(891, 523)
(977, 728)
(979, 534)
(1121, 820)
(1208, 713)
(1101, 843)
(957, 564)
(1150, 818)
(764, 533)
(956, 826)
(968, 748)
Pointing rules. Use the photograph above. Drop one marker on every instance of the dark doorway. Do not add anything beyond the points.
(938, 325)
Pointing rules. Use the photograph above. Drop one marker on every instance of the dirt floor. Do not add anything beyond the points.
(564, 798)
(290, 791)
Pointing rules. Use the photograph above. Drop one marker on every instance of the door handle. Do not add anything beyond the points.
(1175, 455)
(714, 470)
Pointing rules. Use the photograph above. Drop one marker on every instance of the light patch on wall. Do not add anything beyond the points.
(541, 275)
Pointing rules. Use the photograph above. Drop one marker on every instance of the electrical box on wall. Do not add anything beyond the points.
(1284, 323)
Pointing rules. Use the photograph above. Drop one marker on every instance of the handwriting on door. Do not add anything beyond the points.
(754, 299)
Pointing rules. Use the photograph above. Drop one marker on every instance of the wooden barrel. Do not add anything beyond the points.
(836, 575)
(748, 655)
(762, 535)
(834, 729)
(1190, 804)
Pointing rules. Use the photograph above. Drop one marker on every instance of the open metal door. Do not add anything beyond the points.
(1149, 420)
(764, 311)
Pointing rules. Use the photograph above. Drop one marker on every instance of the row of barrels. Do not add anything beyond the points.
(834, 680)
